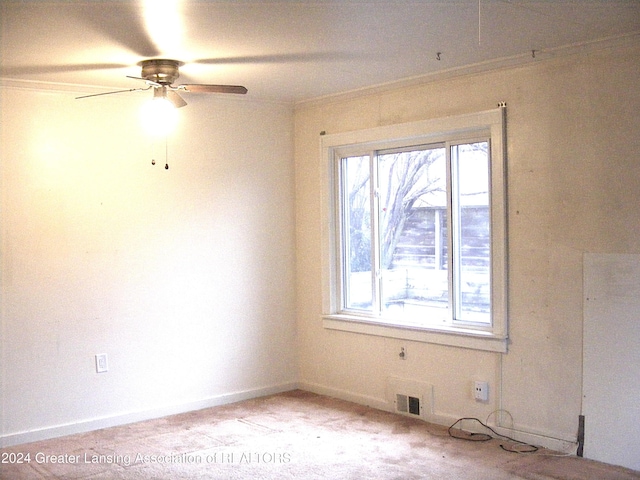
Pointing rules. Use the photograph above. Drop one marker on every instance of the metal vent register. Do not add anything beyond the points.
(407, 404)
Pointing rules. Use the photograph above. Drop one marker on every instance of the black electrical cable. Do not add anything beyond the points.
(483, 437)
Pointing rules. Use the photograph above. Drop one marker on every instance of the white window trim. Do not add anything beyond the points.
(422, 132)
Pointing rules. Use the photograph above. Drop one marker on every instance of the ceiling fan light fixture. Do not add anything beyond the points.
(159, 115)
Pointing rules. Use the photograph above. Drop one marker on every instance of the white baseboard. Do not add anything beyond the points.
(46, 433)
(380, 404)
(88, 425)
(540, 440)
(537, 439)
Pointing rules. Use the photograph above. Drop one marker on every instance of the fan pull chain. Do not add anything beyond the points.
(152, 147)
(166, 152)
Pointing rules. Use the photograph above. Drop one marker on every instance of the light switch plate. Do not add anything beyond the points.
(102, 364)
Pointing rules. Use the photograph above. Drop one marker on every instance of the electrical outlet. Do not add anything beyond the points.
(481, 391)
(102, 365)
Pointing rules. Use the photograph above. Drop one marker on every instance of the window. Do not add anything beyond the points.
(416, 241)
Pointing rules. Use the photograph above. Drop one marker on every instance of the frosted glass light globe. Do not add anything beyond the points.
(159, 116)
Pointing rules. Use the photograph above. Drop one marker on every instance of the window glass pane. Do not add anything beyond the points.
(414, 231)
(470, 181)
(357, 260)
(413, 234)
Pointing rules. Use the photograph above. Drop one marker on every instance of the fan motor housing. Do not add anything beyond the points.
(160, 70)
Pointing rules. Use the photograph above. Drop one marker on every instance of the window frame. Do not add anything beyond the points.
(489, 125)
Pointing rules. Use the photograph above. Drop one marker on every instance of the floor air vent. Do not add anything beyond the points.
(407, 404)
(409, 397)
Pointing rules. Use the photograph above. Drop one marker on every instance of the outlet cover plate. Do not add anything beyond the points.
(481, 391)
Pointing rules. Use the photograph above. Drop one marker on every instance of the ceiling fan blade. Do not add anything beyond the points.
(280, 58)
(201, 88)
(176, 99)
(42, 69)
(122, 22)
(111, 93)
(149, 82)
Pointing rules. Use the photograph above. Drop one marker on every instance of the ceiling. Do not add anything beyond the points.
(293, 51)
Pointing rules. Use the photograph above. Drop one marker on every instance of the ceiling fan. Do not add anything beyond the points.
(160, 74)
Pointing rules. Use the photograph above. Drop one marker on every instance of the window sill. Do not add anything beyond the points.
(451, 336)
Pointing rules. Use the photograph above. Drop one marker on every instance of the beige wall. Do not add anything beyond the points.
(184, 277)
(573, 187)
